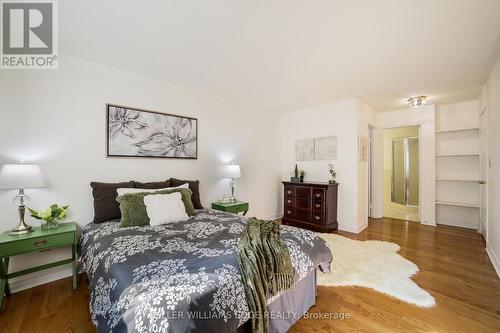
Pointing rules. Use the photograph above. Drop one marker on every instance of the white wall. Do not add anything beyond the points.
(367, 117)
(424, 117)
(491, 99)
(340, 119)
(57, 118)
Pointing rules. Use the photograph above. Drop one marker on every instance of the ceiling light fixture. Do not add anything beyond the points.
(417, 101)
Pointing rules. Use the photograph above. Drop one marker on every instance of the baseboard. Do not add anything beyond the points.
(429, 223)
(494, 259)
(22, 283)
(459, 224)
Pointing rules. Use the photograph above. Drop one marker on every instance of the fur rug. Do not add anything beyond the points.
(375, 265)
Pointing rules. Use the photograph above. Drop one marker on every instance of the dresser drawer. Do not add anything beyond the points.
(39, 243)
(318, 218)
(289, 202)
(289, 212)
(289, 191)
(318, 194)
(318, 205)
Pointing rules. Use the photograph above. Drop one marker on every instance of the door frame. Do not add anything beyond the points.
(483, 158)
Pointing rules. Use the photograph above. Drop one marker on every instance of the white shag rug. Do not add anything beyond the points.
(375, 265)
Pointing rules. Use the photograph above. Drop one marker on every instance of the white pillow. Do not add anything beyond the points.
(165, 208)
(122, 191)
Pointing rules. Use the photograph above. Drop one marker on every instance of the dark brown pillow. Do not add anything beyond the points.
(194, 185)
(153, 185)
(105, 205)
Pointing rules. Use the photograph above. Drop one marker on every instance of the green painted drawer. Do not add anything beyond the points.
(237, 208)
(38, 243)
(234, 207)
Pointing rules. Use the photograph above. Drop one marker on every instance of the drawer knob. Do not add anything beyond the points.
(289, 192)
(317, 205)
(289, 201)
(289, 212)
(40, 243)
(317, 217)
(318, 195)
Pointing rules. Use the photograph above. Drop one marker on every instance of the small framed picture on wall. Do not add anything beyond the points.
(363, 148)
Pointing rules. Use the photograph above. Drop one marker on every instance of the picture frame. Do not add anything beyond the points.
(134, 132)
(363, 148)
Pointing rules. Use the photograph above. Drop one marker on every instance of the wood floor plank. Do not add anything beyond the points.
(454, 268)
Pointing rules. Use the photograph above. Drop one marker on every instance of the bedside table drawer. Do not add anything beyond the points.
(39, 243)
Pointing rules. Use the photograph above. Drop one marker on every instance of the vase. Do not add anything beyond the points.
(50, 224)
(301, 179)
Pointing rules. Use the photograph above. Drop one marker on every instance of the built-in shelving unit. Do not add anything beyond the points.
(457, 204)
(457, 164)
(442, 179)
(457, 155)
(457, 130)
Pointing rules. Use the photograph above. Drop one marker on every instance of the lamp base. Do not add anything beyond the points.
(21, 200)
(21, 229)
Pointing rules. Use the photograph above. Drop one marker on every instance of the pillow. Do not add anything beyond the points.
(122, 191)
(165, 208)
(133, 209)
(105, 206)
(153, 185)
(194, 185)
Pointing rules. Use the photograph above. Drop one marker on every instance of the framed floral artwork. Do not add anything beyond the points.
(134, 132)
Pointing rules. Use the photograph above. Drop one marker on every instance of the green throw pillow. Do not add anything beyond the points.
(133, 208)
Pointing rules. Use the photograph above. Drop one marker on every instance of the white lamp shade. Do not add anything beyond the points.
(17, 176)
(232, 171)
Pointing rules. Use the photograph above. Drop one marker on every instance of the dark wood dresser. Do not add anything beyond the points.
(311, 206)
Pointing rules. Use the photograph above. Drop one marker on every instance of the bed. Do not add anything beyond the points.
(184, 277)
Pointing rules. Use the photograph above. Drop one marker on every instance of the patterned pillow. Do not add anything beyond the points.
(133, 209)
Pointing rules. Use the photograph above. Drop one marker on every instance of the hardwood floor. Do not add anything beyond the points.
(454, 266)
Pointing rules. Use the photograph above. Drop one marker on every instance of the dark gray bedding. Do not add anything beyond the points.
(180, 277)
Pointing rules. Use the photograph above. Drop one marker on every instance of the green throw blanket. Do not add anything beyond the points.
(265, 266)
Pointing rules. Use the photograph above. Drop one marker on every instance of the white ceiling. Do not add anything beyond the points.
(290, 54)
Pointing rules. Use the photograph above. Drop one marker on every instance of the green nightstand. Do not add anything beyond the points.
(231, 207)
(39, 239)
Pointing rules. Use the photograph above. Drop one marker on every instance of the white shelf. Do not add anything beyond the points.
(457, 204)
(446, 179)
(457, 155)
(457, 130)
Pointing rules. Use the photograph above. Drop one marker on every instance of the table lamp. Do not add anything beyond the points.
(232, 172)
(21, 177)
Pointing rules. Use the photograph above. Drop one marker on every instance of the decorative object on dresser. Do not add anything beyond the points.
(332, 173)
(295, 177)
(21, 177)
(232, 172)
(38, 240)
(302, 175)
(139, 133)
(311, 205)
(231, 207)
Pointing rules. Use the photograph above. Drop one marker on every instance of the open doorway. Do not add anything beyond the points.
(401, 173)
